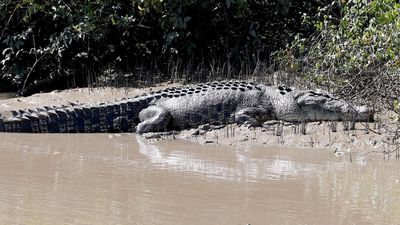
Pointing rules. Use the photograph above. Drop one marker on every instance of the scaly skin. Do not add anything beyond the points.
(185, 107)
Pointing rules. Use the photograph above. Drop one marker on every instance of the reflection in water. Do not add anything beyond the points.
(245, 167)
(123, 179)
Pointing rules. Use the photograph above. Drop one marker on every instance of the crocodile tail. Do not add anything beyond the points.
(1, 123)
(121, 116)
(14, 124)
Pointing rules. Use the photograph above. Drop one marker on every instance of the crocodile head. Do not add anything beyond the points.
(320, 106)
(324, 106)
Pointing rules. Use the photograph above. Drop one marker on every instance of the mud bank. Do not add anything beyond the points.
(367, 137)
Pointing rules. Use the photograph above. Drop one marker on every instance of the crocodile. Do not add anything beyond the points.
(182, 107)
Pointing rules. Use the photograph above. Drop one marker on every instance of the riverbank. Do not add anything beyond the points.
(369, 138)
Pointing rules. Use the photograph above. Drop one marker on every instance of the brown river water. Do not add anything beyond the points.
(125, 179)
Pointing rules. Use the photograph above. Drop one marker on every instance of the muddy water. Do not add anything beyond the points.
(123, 179)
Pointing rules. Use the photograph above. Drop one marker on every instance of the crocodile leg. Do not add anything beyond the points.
(253, 116)
(153, 119)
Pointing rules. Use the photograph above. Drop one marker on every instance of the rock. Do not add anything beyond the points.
(205, 127)
(151, 135)
(216, 127)
(244, 139)
(270, 123)
(202, 132)
(373, 142)
(196, 132)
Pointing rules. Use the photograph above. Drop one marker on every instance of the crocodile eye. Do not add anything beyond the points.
(242, 89)
(282, 93)
(234, 88)
(288, 89)
(281, 88)
(249, 87)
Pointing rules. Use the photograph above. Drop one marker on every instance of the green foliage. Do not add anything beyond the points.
(357, 53)
(65, 38)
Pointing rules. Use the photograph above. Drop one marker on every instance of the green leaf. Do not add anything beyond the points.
(396, 105)
(113, 20)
